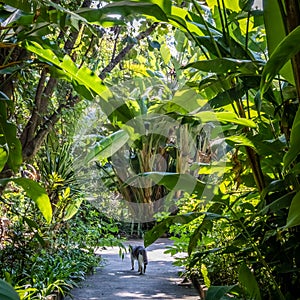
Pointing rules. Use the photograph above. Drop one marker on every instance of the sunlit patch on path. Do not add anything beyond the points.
(117, 281)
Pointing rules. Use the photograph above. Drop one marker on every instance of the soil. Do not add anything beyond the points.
(116, 280)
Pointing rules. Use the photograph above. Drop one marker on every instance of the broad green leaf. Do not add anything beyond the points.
(165, 53)
(8, 136)
(226, 97)
(287, 48)
(275, 33)
(218, 292)
(25, 5)
(214, 213)
(7, 292)
(294, 149)
(280, 203)
(123, 8)
(3, 157)
(108, 146)
(293, 218)
(152, 235)
(226, 65)
(83, 76)
(179, 17)
(36, 192)
(209, 116)
(229, 4)
(246, 5)
(240, 140)
(248, 281)
(72, 209)
(172, 181)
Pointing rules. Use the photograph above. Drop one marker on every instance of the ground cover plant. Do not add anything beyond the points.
(226, 73)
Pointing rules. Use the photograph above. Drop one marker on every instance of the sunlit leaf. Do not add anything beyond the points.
(36, 192)
(83, 76)
(3, 157)
(108, 146)
(209, 116)
(240, 140)
(275, 33)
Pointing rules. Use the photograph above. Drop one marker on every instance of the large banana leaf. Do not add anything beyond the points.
(123, 8)
(287, 48)
(172, 181)
(84, 76)
(223, 116)
(226, 65)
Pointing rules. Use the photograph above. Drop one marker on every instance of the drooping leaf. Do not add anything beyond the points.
(108, 146)
(248, 281)
(280, 203)
(287, 48)
(36, 192)
(82, 76)
(226, 65)
(124, 8)
(294, 149)
(228, 96)
(172, 181)
(152, 235)
(72, 209)
(240, 140)
(7, 292)
(209, 116)
(293, 218)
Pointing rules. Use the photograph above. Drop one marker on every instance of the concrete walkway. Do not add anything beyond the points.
(117, 281)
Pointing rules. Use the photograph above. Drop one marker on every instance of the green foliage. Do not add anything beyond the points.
(7, 292)
(287, 48)
(108, 146)
(247, 280)
(243, 236)
(36, 192)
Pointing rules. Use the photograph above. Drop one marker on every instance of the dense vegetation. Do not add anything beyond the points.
(184, 114)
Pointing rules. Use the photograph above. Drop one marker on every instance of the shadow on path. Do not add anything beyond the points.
(116, 281)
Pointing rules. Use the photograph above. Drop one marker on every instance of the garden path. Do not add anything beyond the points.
(116, 281)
